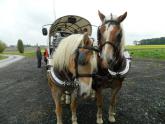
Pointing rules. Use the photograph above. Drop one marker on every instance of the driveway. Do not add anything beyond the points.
(25, 97)
(9, 60)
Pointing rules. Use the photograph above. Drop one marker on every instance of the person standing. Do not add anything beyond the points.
(39, 57)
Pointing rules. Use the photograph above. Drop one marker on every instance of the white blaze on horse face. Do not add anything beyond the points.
(108, 49)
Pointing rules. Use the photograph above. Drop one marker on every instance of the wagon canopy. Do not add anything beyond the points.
(70, 24)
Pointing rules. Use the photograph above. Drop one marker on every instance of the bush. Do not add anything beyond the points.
(20, 46)
(2, 46)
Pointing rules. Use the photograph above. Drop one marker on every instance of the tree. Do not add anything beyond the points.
(2, 46)
(20, 46)
(153, 41)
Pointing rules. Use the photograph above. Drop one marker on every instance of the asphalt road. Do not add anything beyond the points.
(25, 97)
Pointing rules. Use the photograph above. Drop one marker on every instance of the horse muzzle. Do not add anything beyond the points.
(84, 91)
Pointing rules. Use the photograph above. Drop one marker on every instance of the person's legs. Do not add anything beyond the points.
(39, 63)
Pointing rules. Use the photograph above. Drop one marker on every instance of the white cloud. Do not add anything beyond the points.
(24, 18)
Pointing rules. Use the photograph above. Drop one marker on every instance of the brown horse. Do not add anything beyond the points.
(112, 62)
(74, 61)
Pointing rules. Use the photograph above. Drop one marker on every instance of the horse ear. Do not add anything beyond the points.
(86, 38)
(122, 17)
(102, 16)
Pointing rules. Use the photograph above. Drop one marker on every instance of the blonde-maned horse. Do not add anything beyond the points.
(112, 62)
(74, 61)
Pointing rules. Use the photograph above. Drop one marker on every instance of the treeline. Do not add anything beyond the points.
(153, 41)
(20, 46)
(2, 46)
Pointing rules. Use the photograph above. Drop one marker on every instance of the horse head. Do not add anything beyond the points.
(111, 41)
(85, 64)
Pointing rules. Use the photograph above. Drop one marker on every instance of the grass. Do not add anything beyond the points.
(140, 51)
(146, 47)
(147, 51)
(30, 54)
(3, 57)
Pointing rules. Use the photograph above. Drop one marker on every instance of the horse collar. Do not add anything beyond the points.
(63, 79)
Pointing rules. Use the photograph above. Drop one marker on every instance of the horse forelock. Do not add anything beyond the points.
(65, 51)
(111, 17)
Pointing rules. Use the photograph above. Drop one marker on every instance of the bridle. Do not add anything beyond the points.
(116, 49)
(109, 22)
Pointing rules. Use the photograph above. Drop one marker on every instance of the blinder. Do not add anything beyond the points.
(80, 60)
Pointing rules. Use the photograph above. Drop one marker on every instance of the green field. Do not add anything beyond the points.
(139, 51)
(28, 52)
(2, 57)
(147, 51)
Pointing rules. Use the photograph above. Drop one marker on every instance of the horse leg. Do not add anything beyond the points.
(56, 93)
(112, 108)
(73, 107)
(99, 100)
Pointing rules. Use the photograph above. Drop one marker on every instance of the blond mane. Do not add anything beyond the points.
(65, 50)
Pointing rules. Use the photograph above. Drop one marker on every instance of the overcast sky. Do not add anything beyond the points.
(23, 19)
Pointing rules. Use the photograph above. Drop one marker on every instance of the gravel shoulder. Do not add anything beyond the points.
(25, 97)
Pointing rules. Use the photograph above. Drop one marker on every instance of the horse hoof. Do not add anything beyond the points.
(112, 119)
(100, 121)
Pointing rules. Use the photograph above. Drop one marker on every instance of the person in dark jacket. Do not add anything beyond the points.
(39, 57)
